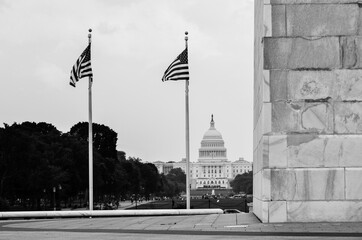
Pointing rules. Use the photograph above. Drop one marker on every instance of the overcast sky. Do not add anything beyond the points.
(133, 42)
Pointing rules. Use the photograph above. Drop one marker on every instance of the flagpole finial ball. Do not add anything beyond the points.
(90, 30)
(186, 33)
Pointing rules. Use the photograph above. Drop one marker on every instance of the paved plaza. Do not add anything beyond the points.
(214, 226)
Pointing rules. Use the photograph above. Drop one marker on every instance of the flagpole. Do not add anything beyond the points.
(187, 138)
(90, 138)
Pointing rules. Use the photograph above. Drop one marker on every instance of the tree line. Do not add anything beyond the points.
(41, 166)
(243, 183)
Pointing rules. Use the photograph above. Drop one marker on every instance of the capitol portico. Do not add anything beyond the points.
(212, 169)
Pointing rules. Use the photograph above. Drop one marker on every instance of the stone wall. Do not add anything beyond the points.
(308, 110)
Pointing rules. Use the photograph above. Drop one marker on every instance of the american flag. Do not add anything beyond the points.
(82, 68)
(178, 69)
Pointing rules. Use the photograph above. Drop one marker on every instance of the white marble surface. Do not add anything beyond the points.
(281, 186)
(265, 152)
(354, 183)
(322, 19)
(317, 117)
(267, 118)
(266, 85)
(348, 86)
(257, 187)
(307, 150)
(337, 85)
(279, 28)
(265, 182)
(257, 133)
(258, 155)
(277, 211)
(261, 184)
(321, 211)
(307, 184)
(348, 117)
(278, 151)
(302, 53)
(285, 117)
(267, 18)
(278, 85)
(261, 209)
(302, 117)
(310, 84)
(351, 150)
(313, 148)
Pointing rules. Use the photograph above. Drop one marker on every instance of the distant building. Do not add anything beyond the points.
(212, 170)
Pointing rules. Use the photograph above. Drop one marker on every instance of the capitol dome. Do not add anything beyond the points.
(212, 133)
(212, 144)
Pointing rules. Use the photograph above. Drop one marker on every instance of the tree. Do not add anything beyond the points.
(107, 173)
(243, 183)
(35, 157)
(174, 182)
(177, 175)
(104, 138)
(30, 154)
(150, 179)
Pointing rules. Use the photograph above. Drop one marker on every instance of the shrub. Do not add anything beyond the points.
(4, 205)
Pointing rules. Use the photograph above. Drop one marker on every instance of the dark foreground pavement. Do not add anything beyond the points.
(215, 226)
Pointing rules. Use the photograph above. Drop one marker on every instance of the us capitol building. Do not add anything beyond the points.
(212, 169)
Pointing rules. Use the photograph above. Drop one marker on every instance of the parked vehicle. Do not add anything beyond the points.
(226, 211)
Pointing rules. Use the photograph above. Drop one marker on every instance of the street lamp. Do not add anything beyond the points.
(45, 199)
(54, 191)
(59, 196)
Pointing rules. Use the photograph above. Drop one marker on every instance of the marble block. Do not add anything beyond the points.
(338, 85)
(278, 151)
(351, 51)
(267, 20)
(311, 150)
(261, 209)
(280, 186)
(348, 85)
(360, 20)
(267, 117)
(310, 85)
(322, 211)
(266, 86)
(257, 184)
(354, 183)
(261, 181)
(322, 20)
(307, 184)
(349, 150)
(277, 211)
(302, 117)
(348, 117)
(278, 85)
(262, 153)
(306, 150)
(265, 182)
(285, 117)
(301, 53)
(266, 147)
(278, 21)
(317, 117)
(348, 47)
(311, 1)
